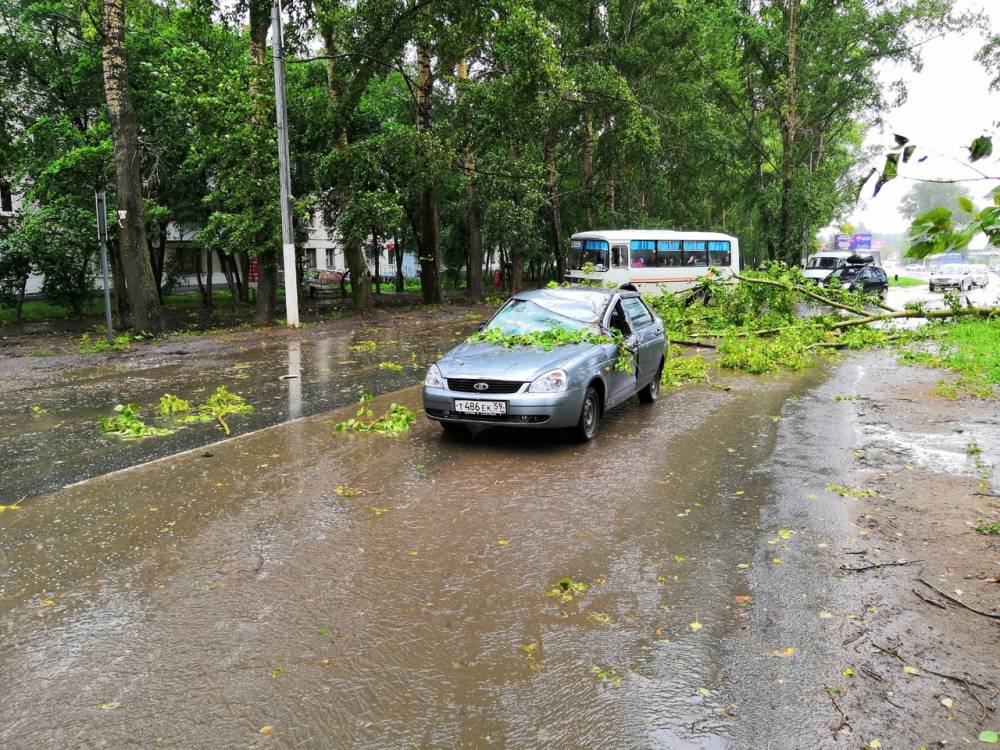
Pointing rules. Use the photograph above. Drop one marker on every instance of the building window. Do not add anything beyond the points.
(187, 261)
(6, 199)
(331, 258)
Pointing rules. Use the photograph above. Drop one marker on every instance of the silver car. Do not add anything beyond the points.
(957, 275)
(569, 386)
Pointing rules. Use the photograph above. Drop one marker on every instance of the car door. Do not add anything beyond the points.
(650, 335)
(621, 384)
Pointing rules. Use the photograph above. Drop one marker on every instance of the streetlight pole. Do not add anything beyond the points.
(284, 173)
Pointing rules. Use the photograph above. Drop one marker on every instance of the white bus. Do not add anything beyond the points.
(652, 258)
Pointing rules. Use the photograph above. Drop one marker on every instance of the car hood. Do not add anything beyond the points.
(482, 360)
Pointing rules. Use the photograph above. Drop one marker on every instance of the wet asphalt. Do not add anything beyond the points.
(298, 587)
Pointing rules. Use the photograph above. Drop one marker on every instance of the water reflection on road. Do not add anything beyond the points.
(357, 591)
(58, 442)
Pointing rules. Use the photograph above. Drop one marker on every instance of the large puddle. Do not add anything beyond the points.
(356, 591)
(50, 436)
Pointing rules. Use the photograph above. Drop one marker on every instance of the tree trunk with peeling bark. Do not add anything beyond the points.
(140, 284)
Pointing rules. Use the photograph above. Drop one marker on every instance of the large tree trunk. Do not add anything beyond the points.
(430, 255)
(555, 212)
(354, 254)
(588, 168)
(400, 282)
(474, 266)
(266, 252)
(609, 184)
(118, 285)
(788, 246)
(141, 287)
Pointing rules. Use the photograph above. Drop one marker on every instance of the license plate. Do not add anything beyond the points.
(481, 408)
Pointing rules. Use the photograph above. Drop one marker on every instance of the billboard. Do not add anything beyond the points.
(861, 241)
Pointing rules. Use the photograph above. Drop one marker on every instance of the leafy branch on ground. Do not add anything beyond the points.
(398, 419)
(222, 404)
(127, 423)
(174, 411)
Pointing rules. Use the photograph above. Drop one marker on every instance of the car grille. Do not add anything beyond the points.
(468, 385)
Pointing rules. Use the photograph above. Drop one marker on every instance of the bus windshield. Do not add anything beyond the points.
(594, 252)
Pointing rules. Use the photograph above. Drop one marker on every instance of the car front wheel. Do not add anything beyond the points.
(590, 417)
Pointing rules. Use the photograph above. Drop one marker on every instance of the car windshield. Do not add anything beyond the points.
(821, 262)
(950, 270)
(524, 316)
(847, 273)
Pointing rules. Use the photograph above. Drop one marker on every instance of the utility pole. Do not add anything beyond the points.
(102, 235)
(284, 173)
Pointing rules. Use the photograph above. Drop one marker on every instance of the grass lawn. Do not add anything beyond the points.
(905, 281)
(970, 347)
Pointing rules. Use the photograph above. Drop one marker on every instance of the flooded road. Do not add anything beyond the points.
(50, 435)
(304, 588)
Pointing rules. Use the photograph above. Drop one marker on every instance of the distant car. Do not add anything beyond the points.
(981, 274)
(858, 277)
(820, 265)
(915, 267)
(571, 385)
(953, 276)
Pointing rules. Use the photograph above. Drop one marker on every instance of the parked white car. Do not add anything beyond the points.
(954, 275)
(915, 267)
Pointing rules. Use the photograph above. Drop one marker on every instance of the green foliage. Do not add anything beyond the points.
(678, 370)
(969, 347)
(98, 342)
(989, 528)
(224, 403)
(363, 346)
(390, 366)
(566, 589)
(905, 281)
(546, 339)
(127, 423)
(171, 405)
(549, 338)
(395, 421)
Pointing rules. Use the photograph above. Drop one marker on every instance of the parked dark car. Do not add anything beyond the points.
(860, 277)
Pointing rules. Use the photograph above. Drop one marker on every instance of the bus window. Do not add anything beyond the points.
(719, 254)
(695, 253)
(668, 253)
(619, 256)
(582, 252)
(643, 253)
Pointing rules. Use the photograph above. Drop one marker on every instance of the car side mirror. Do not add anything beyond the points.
(632, 342)
(482, 325)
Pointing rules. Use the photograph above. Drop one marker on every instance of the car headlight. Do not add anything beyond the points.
(433, 378)
(554, 381)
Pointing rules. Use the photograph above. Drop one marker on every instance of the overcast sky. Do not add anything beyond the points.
(949, 104)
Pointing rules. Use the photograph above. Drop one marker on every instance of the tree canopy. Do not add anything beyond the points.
(473, 132)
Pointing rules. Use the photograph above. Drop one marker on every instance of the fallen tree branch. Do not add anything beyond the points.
(929, 600)
(957, 678)
(803, 290)
(982, 312)
(844, 567)
(684, 342)
(960, 603)
(844, 718)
